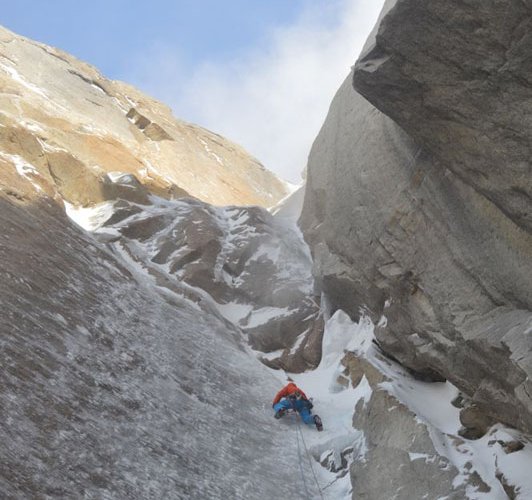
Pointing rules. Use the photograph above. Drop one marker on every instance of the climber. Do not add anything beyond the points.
(291, 397)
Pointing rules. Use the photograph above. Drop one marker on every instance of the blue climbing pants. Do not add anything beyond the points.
(300, 405)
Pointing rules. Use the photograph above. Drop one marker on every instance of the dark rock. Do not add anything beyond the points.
(400, 459)
(151, 130)
(358, 367)
(243, 257)
(458, 401)
(477, 481)
(472, 433)
(511, 446)
(509, 489)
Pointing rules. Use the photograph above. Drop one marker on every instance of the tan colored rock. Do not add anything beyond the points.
(50, 102)
(476, 423)
(357, 367)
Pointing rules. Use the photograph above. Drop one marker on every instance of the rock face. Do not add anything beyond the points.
(400, 457)
(126, 365)
(68, 127)
(418, 205)
(457, 80)
(254, 269)
(119, 383)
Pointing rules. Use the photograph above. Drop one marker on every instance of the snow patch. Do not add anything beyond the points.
(123, 178)
(24, 169)
(98, 88)
(211, 153)
(31, 126)
(13, 73)
(90, 218)
(234, 312)
(291, 205)
(265, 314)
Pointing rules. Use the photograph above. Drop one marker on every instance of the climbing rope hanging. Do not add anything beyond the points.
(299, 432)
(300, 460)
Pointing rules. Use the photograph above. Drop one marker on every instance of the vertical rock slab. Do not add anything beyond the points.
(409, 216)
(456, 76)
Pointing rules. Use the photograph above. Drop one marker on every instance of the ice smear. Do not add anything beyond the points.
(90, 218)
(234, 312)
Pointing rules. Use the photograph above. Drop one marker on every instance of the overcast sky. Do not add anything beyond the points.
(261, 73)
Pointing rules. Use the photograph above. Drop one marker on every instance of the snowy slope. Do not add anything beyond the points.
(117, 384)
(430, 402)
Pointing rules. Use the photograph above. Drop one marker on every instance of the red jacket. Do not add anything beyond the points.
(288, 389)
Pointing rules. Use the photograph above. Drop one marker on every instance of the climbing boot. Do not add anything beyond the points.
(318, 422)
(280, 413)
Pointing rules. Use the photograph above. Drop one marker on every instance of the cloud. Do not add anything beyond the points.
(272, 99)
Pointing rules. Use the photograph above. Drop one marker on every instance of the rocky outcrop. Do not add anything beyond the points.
(420, 210)
(253, 267)
(404, 438)
(52, 104)
(401, 457)
(456, 77)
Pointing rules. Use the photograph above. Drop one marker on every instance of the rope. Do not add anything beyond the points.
(330, 484)
(309, 459)
(301, 461)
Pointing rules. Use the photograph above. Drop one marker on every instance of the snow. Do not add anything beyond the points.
(31, 126)
(48, 147)
(90, 128)
(333, 403)
(211, 153)
(98, 88)
(265, 314)
(234, 312)
(13, 73)
(123, 178)
(90, 218)
(291, 205)
(245, 316)
(24, 169)
(148, 167)
(431, 402)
